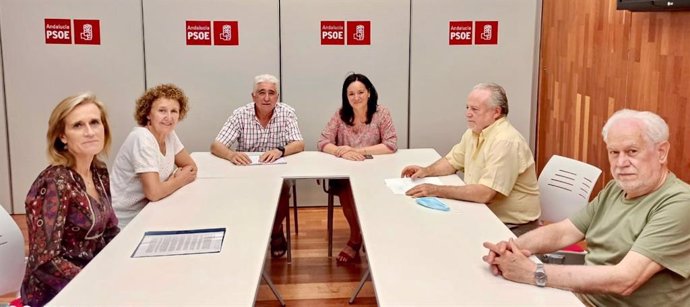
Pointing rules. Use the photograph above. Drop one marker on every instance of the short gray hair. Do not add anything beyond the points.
(497, 96)
(655, 128)
(267, 78)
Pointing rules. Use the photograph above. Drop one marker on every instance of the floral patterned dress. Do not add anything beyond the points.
(67, 228)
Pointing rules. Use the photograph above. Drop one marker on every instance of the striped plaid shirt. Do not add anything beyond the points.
(243, 128)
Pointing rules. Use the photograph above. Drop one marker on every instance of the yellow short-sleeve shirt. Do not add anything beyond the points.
(500, 159)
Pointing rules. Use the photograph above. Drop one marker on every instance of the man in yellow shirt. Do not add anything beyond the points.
(496, 160)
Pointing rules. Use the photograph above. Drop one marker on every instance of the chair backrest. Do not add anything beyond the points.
(11, 254)
(565, 186)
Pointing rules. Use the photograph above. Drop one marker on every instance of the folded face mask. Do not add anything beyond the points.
(432, 203)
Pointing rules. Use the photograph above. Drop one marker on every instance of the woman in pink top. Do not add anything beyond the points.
(360, 128)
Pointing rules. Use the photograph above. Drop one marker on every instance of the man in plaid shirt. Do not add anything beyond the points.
(266, 126)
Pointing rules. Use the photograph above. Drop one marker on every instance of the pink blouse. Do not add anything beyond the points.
(379, 131)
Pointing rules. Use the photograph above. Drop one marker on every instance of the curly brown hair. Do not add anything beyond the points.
(169, 91)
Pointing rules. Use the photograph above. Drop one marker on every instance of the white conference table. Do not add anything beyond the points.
(417, 256)
(228, 278)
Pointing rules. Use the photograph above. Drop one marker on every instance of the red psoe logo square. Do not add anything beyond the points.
(58, 31)
(486, 32)
(198, 32)
(332, 32)
(87, 32)
(460, 33)
(359, 32)
(226, 33)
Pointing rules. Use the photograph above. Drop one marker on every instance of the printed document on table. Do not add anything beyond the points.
(401, 185)
(255, 159)
(180, 242)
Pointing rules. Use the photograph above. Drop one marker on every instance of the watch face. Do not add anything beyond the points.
(540, 278)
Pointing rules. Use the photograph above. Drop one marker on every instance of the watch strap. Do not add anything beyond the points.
(540, 275)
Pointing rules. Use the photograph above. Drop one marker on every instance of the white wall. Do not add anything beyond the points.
(217, 79)
(409, 53)
(5, 196)
(313, 74)
(443, 75)
(38, 75)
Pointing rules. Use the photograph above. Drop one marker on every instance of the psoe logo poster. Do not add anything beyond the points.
(58, 31)
(359, 32)
(486, 32)
(226, 33)
(198, 32)
(87, 32)
(460, 33)
(332, 32)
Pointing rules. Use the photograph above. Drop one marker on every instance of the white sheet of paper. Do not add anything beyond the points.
(401, 185)
(180, 242)
(255, 160)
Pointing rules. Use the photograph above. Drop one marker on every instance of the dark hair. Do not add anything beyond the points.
(347, 115)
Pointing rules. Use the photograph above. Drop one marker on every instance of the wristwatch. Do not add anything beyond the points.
(282, 150)
(540, 275)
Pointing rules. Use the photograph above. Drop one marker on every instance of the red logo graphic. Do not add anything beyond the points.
(87, 32)
(359, 32)
(58, 31)
(486, 32)
(460, 33)
(226, 33)
(332, 33)
(198, 32)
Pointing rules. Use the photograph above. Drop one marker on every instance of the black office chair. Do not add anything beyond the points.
(287, 221)
(331, 201)
(294, 205)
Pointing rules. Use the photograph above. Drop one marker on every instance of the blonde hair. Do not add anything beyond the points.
(169, 91)
(57, 150)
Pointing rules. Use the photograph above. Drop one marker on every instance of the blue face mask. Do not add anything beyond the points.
(433, 203)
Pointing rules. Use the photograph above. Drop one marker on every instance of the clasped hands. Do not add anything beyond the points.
(349, 153)
(508, 260)
(186, 173)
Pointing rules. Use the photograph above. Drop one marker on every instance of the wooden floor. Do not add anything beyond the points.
(312, 279)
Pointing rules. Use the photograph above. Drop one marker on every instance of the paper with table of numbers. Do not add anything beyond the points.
(180, 242)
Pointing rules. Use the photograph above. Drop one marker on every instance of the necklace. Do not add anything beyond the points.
(88, 181)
